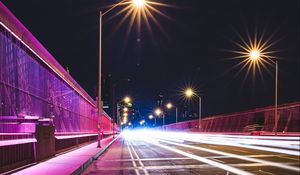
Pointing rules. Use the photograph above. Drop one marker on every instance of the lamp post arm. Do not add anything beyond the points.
(114, 6)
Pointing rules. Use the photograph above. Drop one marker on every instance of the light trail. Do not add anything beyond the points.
(201, 159)
(167, 140)
(279, 165)
(291, 147)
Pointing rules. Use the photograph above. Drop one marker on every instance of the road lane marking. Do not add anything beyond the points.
(138, 158)
(266, 172)
(132, 160)
(218, 160)
(201, 159)
(292, 168)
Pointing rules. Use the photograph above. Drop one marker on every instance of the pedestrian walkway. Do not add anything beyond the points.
(72, 162)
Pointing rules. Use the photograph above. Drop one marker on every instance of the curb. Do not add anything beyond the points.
(92, 159)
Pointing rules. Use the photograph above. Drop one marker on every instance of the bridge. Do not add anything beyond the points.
(49, 124)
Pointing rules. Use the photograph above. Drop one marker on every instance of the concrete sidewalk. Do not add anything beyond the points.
(73, 162)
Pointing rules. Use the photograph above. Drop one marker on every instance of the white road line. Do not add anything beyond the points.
(139, 160)
(292, 168)
(132, 159)
(201, 159)
(218, 160)
(266, 172)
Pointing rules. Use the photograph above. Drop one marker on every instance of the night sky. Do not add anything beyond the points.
(191, 48)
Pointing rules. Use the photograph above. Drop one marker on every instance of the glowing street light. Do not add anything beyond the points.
(189, 93)
(127, 99)
(139, 3)
(138, 9)
(158, 111)
(256, 54)
(125, 109)
(169, 105)
(150, 116)
(142, 122)
(125, 114)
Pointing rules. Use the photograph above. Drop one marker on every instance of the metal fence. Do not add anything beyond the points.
(36, 91)
(262, 119)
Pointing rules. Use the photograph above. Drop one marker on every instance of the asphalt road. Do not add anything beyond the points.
(160, 153)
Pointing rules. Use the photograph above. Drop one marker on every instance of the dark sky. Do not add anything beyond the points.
(191, 49)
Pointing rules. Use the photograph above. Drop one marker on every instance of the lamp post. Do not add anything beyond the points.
(256, 56)
(151, 117)
(114, 103)
(137, 4)
(158, 112)
(169, 106)
(189, 92)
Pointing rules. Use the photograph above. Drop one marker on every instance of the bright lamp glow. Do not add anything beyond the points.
(254, 54)
(150, 116)
(127, 99)
(158, 112)
(169, 105)
(189, 92)
(125, 109)
(142, 122)
(138, 3)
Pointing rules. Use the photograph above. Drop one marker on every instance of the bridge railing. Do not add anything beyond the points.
(43, 110)
(260, 119)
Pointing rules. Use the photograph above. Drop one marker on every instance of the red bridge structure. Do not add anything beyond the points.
(256, 121)
(43, 110)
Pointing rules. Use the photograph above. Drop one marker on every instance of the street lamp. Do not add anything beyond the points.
(158, 112)
(127, 99)
(125, 109)
(125, 114)
(170, 106)
(114, 103)
(142, 122)
(189, 93)
(151, 117)
(138, 4)
(256, 55)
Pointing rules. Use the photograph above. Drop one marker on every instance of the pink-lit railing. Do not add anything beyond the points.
(36, 90)
(32, 83)
(257, 119)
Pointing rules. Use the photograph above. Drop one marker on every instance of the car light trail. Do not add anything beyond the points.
(235, 143)
(234, 156)
(201, 159)
(291, 147)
